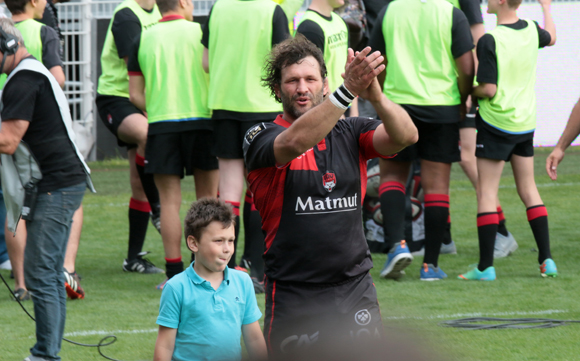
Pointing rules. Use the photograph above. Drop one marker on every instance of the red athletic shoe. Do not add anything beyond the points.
(73, 286)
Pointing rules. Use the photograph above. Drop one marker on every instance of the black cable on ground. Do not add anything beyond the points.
(475, 323)
(105, 341)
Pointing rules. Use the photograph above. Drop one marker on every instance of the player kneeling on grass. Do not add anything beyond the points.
(203, 309)
(505, 123)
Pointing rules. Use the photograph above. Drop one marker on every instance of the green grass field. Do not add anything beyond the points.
(127, 304)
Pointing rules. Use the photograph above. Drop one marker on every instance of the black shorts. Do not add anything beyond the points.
(437, 143)
(494, 144)
(172, 153)
(469, 121)
(300, 315)
(228, 135)
(112, 111)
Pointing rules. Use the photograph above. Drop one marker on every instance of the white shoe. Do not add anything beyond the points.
(504, 246)
(6, 265)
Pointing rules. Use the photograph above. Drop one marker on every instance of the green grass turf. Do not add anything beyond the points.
(127, 304)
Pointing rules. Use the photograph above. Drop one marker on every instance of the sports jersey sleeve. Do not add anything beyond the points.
(126, 28)
(280, 31)
(133, 66)
(472, 11)
(205, 31)
(544, 37)
(252, 312)
(364, 129)
(377, 40)
(50, 47)
(487, 69)
(169, 307)
(313, 32)
(461, 40)
(259, 146)
(19, 96)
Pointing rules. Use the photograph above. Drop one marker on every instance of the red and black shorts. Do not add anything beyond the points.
(112, 111)
(302, 318)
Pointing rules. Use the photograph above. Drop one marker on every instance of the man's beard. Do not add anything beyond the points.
(288, 103)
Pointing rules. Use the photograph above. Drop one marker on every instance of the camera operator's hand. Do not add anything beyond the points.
(361, 69)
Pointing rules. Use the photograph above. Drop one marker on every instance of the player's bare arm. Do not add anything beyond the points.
(11, 134)
(254, 341)
(137, 91)
(310, 128)
(465, 70)
(548, 21)
(58, 74)
(205, 60)
(571, 131)
(484, 90)
(165, 344)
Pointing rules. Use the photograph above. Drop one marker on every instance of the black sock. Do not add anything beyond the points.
(538, 219)
(447, 239)
(236, 208)
(173, 267)
(148, 184)
(253, 238)
(436, 215)
(392, 197)
(138, 221)
(487, 224)
(501, 228)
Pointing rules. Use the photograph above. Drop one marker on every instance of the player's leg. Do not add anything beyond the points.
(523, 168)
(169, 186)
(435, 181)
(15, 244)
(392, 196)
(133, 130)
(199, 161)
(487, 219)
(468, 161)
(72, 280)
(437, 150)
(229, 135)
(130, 127)
(165, 160)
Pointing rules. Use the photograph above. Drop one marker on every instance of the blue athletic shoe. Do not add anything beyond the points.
(476, 275)
(548, 268)
(431, 273)
(397, 260)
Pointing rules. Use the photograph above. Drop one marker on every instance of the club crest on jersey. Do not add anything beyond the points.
(329, 181)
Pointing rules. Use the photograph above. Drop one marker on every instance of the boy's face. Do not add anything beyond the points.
(214, 250)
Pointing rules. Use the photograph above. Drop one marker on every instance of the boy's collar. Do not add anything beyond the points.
(196, 279)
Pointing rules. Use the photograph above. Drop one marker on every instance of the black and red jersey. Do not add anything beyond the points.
(311, 206)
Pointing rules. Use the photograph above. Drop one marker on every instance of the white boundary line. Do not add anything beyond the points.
(106, 333)
(539, 185)
(477, 314)
(433, 317)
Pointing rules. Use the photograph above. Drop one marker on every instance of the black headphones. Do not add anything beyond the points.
(8, 43)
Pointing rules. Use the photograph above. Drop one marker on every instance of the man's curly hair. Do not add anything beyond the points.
(289, 52)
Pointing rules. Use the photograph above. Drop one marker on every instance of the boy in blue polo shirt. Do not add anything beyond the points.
(205, 309)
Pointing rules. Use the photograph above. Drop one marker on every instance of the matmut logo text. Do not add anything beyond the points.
(326, 205)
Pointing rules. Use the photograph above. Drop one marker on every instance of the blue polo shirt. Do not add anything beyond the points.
(208, 322)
